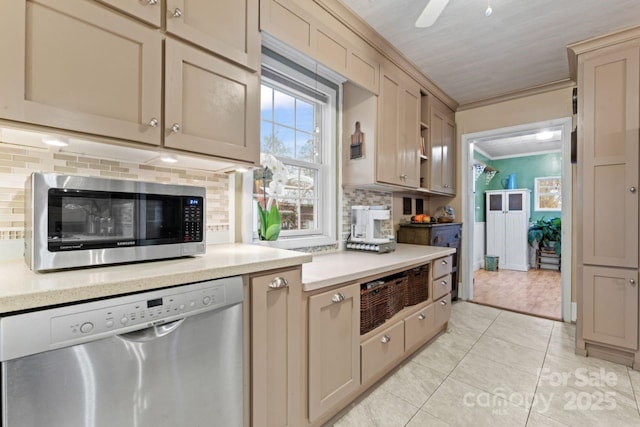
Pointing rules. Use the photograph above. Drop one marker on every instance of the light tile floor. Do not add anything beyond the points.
(499, 368)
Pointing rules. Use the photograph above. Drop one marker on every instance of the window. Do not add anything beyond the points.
(297, 127)
(548, 193)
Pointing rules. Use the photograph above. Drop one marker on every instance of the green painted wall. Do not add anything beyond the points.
(527, 169)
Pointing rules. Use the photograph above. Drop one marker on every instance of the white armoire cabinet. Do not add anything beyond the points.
(507, 224)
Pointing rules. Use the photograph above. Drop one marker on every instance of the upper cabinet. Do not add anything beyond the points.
(78, 66)
(201, 91)
(89, 69)
(398, 129)
(228, 28)
(441, 149)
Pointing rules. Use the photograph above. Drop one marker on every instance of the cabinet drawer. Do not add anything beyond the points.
(419, 326)
(440, 236)
(441, 286)
(442, 310)
(381, 350)
(441, 267)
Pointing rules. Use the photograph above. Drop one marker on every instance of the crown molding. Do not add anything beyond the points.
(535, 90)
(578, 48)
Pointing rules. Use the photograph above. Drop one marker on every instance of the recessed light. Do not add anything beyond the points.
(55, 141)
(241, 170)
(169, 159)
(544, 136)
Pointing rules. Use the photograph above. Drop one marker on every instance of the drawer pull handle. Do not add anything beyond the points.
(632, 189)
(632, 282)
(339, 297)
(443, 302)
(278, 282)
(385, 339)
(422, 316)
(445, 262)
(153, 122)
(152, 2)
(177, 13)
(444, 283)
(175, 128)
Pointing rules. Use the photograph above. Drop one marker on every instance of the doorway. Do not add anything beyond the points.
(529, 166)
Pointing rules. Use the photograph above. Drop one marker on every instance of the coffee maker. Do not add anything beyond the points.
(366, 229)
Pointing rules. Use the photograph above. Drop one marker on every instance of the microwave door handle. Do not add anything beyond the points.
(140, 225)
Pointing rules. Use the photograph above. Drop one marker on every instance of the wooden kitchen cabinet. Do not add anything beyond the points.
(442, 154)
(610, 306)
(211, 105)
(382, 350)
(78, 66)
(334, 348)
(149, 11)
(275, 348)
(398, 129)
(226, 27)
(419, 327)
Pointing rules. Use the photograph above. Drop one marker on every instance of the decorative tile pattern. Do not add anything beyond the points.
(17, 163)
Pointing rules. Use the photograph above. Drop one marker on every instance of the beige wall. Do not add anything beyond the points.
(530, 109)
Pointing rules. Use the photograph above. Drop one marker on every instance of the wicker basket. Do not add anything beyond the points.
(373, 306)
(397, 290)
(417, 289)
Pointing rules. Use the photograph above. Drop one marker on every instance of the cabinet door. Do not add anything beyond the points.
(516, 245)
(146, 10)
(495, 224)
(610, 306)
(410, 137)
(419, 327)
(442, 310)
(78, 66)
(334, 347)
(442, 144)
(381, 351)
(276, 349)
(610, 121)
(226, 27)
(387, 147)
(211, 106)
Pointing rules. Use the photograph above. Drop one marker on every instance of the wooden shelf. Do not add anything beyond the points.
(423, 125)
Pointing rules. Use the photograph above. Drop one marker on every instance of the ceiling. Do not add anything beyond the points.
(524, 143)
(521, 45)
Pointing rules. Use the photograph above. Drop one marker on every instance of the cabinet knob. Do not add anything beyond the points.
(422, 316)
(385, 339)
(445, 262)
(443, 302)
(177, 13)
(278, 282)
(446, 186)
(152, 2)
(339, 297)
(153, 122)
(436, 239)
(632, 189)
(632, 282)
(444, 283)
(175, 128)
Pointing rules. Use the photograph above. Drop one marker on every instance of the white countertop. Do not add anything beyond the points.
(22, 289)
(344, 266)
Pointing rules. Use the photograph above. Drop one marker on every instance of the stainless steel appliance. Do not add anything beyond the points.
(170, 357)
(75, 221)
(367, 231)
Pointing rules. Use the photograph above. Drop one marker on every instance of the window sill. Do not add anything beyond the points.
(301, 242)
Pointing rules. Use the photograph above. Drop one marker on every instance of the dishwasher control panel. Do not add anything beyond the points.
(141, 313)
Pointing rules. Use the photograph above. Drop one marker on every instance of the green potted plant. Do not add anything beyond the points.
(270, 221)
(548, 233)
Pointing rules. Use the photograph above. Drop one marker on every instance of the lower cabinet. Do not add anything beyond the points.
(275, 346)
(334, 348)
(442, 310)
(610, 306)
(419, 326)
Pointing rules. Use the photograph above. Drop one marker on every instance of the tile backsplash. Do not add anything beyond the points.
(18, 162)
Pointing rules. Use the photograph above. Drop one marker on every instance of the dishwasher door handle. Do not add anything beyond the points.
(152, 332)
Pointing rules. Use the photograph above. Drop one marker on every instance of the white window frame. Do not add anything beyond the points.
(537, 194)
(326, 233)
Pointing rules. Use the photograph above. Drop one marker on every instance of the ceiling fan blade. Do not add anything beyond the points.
(431, 13)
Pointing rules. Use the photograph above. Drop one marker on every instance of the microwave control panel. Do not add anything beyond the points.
(193, 223)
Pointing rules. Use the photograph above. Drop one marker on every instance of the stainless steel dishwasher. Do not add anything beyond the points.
(170, 357)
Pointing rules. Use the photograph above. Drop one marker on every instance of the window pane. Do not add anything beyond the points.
(283, 143)
(283, 108)
(289, 214)
(305, 147)
(266, 137)
(308, 218)
(304, 116)
(266, 102)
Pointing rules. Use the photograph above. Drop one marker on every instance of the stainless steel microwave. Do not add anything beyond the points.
(75, 221)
